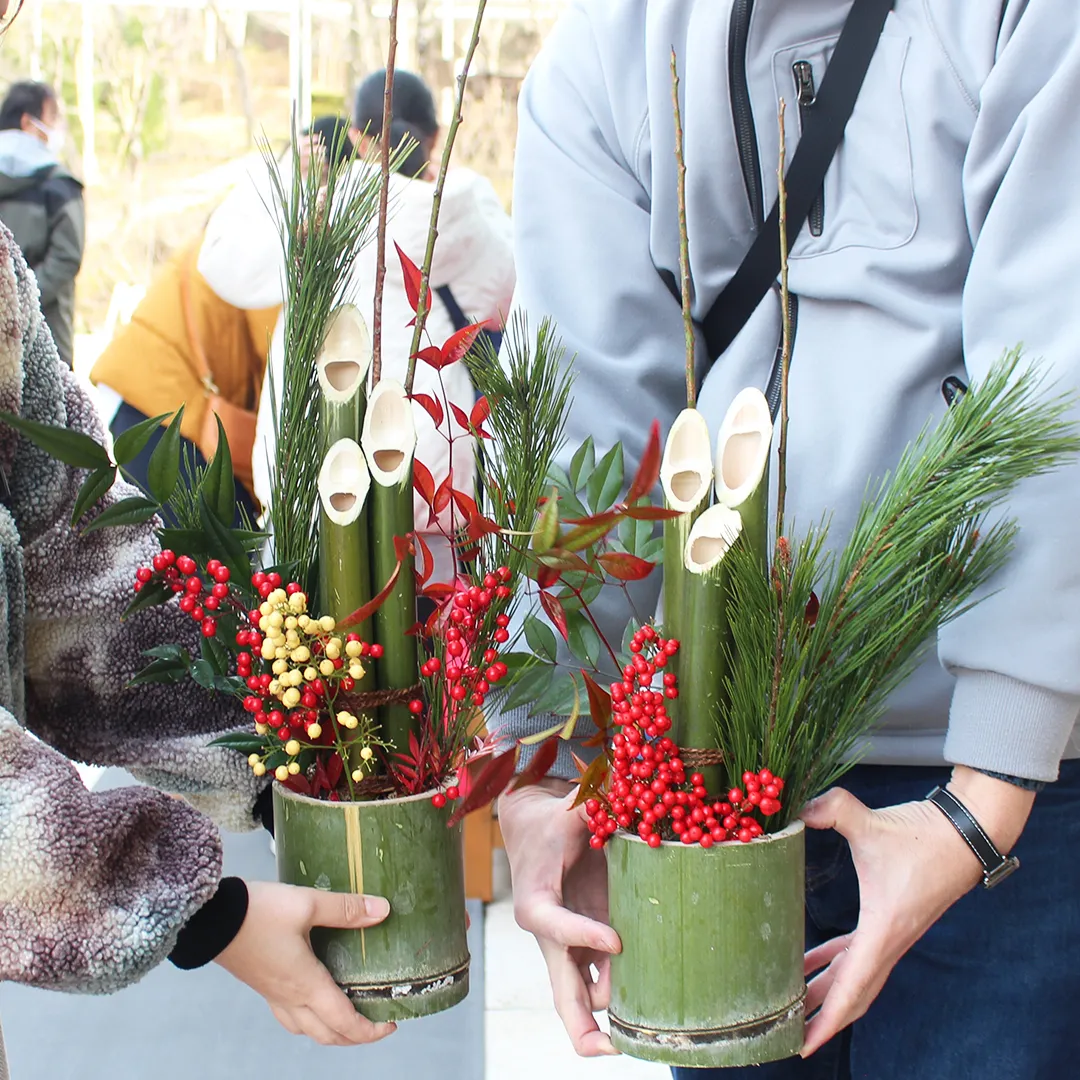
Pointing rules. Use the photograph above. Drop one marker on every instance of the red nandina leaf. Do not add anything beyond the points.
(432, 406)
(488, 785)
(625, 567)
(563, 561)
(403, 547)
(442, 496)
(465, 503)
(432, 622)
(457, 345)
(592, 780)
(599, 702)
(362, 614)
(429, 560)
(480, 526)
(540, 765)
(590, 530)
(439, 590)
(423, 481)
(460, 416)
(649, 513)
(480, 412)
(813, 606)
(411, 272)
(334, 768)
(299, 784)
(546, 576)
(649, 469)
(415, 630)
(432, 355)
(554, 609)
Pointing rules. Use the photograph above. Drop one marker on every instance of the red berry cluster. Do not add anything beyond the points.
(439, 800)
(649, 792)
(180, 573)
(465, 678)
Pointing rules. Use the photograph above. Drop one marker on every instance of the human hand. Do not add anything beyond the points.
(272, 954)
(560, 896)
(912, 866)
(312, 148)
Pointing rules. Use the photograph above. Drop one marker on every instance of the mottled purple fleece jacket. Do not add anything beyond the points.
(93, 887)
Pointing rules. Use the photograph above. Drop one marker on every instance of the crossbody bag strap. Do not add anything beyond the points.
(823, 128)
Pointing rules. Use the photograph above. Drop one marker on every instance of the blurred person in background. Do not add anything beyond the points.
(472, 273)
(42, 203)
(186, 345)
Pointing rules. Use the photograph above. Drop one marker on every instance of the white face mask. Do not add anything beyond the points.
(54, 136)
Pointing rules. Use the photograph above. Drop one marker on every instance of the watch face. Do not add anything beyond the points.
(1000, 873)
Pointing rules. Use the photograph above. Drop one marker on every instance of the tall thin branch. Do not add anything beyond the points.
(384, 196)
(436, 202)
(684, 240)
(785, 314)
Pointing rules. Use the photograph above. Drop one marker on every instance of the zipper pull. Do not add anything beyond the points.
(805, 90)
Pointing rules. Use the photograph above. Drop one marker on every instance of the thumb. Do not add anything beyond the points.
(836, 809)
(347, 910)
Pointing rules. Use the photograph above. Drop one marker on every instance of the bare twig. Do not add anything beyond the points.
(436, 202)
(684, 240)
(384, 196)
(785, 315)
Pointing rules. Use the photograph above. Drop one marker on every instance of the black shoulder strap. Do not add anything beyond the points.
(822, 131)
(458, 317)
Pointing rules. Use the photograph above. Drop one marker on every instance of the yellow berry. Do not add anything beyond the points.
(291, 698)
(281, 772)
(275, 620)
(281, 652)
(333, 652)
(254, 759)
(292, 748)
(264, 623)
(275, 686)
(293, 767)
(327, 623)
(292, 640)
(301, 655)
(298, 602)
(366, 753)
(356, 671)
(265, 608)
(352, 648)
(314, 731)
(278, 596)
(280, 667)
(259, 769)
(310, 674)
(268, 650)
(358, 775)
(261, 729)
(290, 622)
(326, 667)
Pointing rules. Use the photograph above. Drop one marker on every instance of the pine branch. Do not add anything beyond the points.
(424, 305)
(384, 196)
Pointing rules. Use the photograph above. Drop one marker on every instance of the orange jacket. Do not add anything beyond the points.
(153, 362)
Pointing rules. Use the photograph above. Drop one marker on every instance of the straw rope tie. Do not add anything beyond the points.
(701, 759)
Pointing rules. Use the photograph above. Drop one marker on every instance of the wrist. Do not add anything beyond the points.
(1000, 808)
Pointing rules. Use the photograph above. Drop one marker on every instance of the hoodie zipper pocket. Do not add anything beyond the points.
(806, 94)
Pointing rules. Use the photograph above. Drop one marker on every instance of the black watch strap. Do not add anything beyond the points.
(996, 867)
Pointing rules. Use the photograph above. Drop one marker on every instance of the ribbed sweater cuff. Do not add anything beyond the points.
(1000, 724)
(212, 928)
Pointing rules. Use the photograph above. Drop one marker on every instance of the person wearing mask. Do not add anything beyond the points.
(942, 235)
(42, 203)
(186, 345)
(96, 889)
(472, 273)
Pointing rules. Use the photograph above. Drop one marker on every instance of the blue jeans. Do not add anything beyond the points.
(990, 991)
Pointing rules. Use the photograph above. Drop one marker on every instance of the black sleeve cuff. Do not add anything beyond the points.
(212, 928)
(1016, 781)
(264, 809)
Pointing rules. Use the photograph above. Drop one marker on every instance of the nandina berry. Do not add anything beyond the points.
(309, 700)
(197, 613)
(253, 682)
(220, 590)
(254, 617)
(416, 706)
(211, 603)
(591, 807)
(209, 628)
(745, 836)
(187, 604)
(186, 565)
(375, 652)
(596, 842)
(265, 589)
(453, 793)
(458, 692)
(769, 806)
(194, 585)
(292, 588)
(274, 579)
(706, 840)
(438, 800)
(654, 840)
(765, 776)
(501, 636)
(754, 798)
(348, 683)
(734, 796)
(144, 574)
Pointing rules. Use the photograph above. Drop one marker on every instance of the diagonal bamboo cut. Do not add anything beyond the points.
(742, 460)
(389, 443)
(342, 368)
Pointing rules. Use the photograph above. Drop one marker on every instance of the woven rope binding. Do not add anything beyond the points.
(701, 759)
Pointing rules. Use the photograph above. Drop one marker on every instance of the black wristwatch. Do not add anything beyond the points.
(996, 867)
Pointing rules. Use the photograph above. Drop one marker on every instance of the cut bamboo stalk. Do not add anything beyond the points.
(342, 367)
(707, 639)
(742, 464)
(389, 443)
(686, 476)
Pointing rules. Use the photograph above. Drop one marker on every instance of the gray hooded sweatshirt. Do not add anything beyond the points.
(947, 233)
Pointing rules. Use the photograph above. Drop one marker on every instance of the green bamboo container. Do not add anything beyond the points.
(711, 969)
(415, 962)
